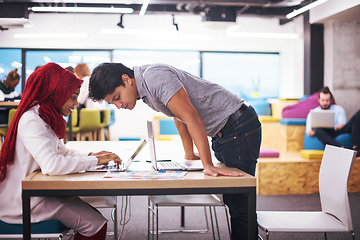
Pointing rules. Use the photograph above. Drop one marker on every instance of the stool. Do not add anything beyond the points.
(44, 229)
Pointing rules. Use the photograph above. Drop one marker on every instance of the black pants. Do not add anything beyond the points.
(239, 147)
(327, 136)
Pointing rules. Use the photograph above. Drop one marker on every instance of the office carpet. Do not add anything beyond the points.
(136, 218)
(136, 228)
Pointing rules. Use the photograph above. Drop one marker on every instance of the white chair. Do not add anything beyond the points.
(335, 215)
(201, 200)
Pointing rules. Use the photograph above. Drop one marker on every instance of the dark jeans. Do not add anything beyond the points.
(239, 147)
(327, 136)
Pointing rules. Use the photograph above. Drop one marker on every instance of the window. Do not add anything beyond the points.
(248, 75)
(9, 60)
(35, 58)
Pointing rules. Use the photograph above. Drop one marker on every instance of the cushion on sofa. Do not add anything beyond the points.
(302, 108)
(315, 144)
(269, 153)
(312, 154)
(293, 121)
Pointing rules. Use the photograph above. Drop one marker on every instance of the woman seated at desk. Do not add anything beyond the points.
(8, 93)
(34, 143)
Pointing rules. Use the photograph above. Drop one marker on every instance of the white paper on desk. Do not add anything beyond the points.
(147, 174)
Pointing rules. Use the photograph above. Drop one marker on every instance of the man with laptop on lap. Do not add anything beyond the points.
(200, 109)
(320, 124)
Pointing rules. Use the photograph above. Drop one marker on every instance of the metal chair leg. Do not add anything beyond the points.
(115, 219)
(148, 213)
(157, 222)
(227, 220)
(212, 223)
(216, 223)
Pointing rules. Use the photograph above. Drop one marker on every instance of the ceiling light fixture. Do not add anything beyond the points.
(120, 24)
(81, 9)
(136, 31)
(144, 7)
(175, 24)
(305, 8)
(176, 37)
(50, 35)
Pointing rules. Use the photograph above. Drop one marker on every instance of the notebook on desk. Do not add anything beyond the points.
(322, 119)
(113, 166)
(168, 165)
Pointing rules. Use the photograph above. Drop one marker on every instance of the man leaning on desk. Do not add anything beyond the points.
(200, 109)
(328, 135)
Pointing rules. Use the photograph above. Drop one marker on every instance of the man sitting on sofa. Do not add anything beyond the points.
(328, 135)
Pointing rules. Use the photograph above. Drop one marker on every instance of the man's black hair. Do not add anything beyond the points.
(325, 90)
(105, 78)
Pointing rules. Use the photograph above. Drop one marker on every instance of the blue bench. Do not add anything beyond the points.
(315, 144)
(293, 121)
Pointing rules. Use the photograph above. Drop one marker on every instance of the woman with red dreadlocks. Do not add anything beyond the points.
(33, 142)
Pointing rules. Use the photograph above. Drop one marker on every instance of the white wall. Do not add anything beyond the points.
(193, 35)
(341, 50)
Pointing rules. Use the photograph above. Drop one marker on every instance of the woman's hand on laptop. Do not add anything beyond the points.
(104, 157)
(215, 171)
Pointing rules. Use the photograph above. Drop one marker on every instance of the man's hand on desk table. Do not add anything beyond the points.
(104, 157)
(215, 171)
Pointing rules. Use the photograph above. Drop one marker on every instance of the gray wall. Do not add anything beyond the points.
(342, 63)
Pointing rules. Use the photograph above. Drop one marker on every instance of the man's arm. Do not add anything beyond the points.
(340, 117)
(182, 108)
(186, 140)
(309, 130)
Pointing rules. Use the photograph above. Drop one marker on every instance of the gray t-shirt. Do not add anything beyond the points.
(157, 84)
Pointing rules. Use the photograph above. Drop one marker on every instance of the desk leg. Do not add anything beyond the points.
(252, 226)
(26, 216)
(182, 220)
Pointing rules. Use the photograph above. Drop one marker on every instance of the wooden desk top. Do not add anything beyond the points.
(95, 180)
(9, 103)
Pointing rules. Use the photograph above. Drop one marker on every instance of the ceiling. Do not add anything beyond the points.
(211, 10)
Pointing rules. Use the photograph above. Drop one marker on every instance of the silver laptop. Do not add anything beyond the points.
(168, 165)
(113, 166)
(322, 118)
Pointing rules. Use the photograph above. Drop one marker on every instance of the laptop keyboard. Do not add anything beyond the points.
(170, 165)
(110, 167)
